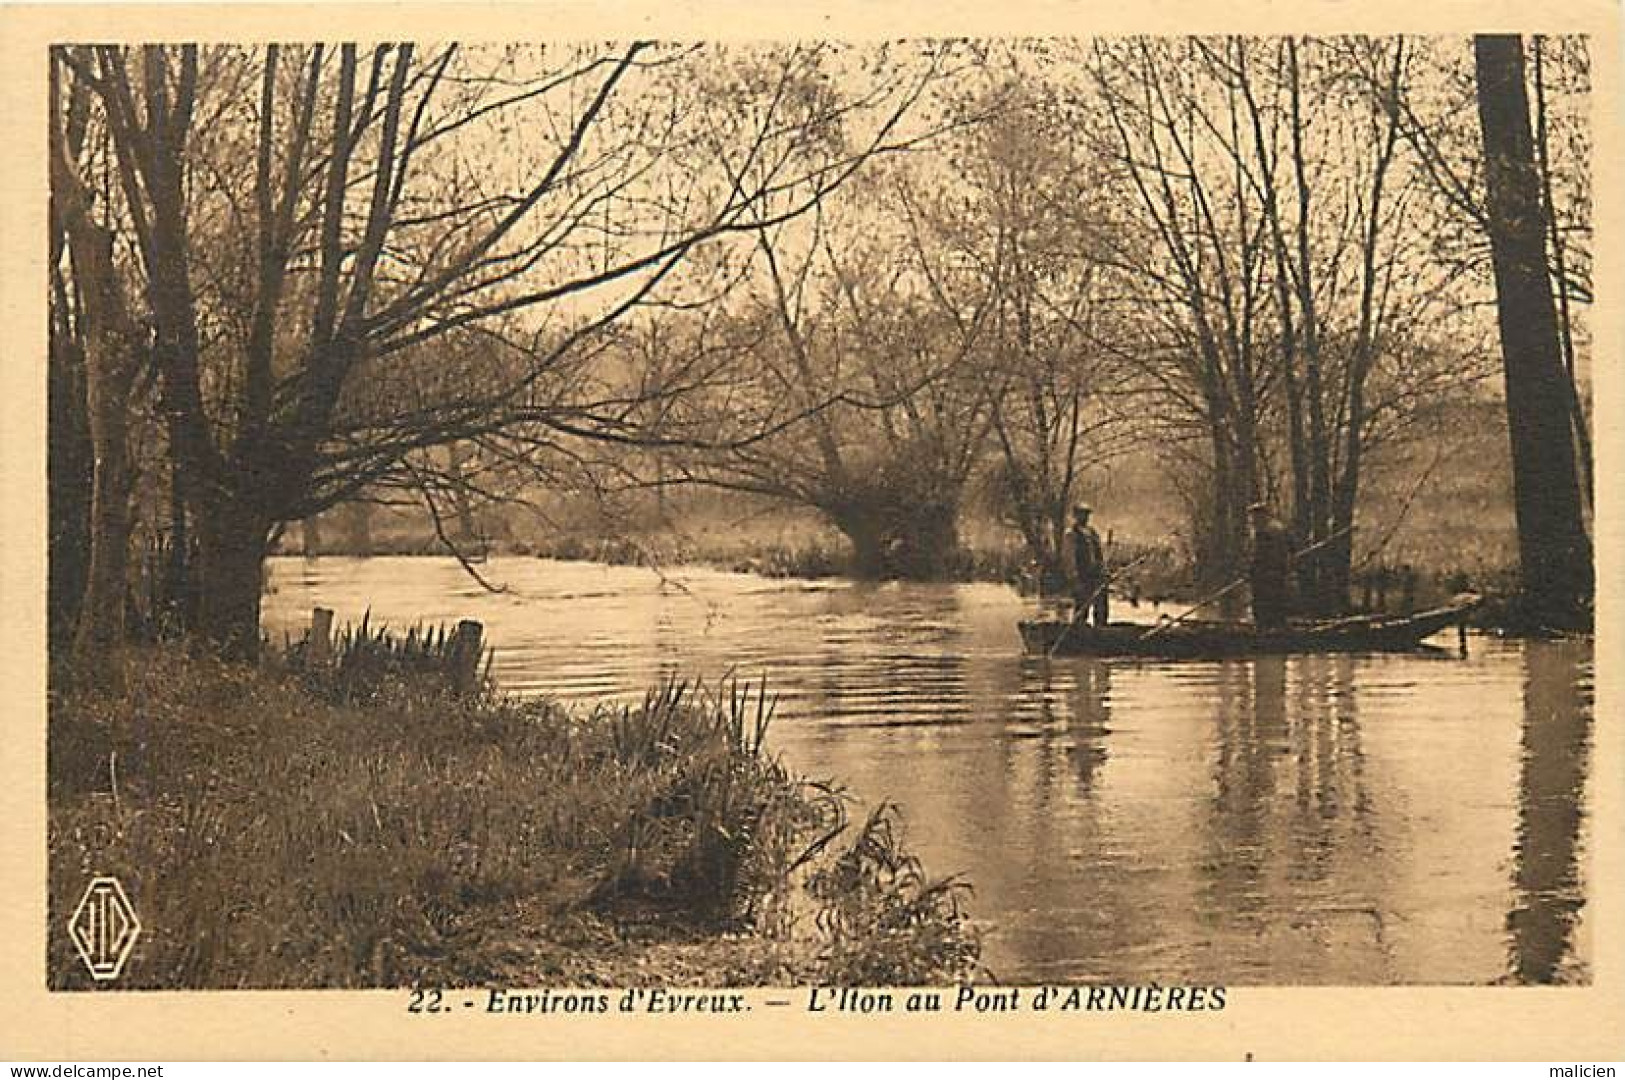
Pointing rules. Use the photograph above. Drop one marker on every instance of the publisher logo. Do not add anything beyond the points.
(104, 928)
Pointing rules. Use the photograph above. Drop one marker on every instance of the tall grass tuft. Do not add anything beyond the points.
(885, 923)
(713, 833)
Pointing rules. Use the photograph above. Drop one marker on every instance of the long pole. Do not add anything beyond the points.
(1236, 584)
(1087, 604)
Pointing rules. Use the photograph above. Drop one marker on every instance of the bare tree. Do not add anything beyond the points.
(1333, 278)
(1200, 254)
(1292, 315)
(857, 382)
(368, 232)
(1554, 550)
(1020, 230)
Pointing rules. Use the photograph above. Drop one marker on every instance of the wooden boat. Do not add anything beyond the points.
(1193, 640)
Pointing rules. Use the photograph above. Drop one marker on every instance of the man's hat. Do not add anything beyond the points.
(1259, 508)
(1080, 510)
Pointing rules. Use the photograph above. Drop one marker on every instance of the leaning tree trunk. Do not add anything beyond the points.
(1554, 551)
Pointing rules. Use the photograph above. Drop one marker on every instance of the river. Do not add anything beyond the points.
(1341, 820)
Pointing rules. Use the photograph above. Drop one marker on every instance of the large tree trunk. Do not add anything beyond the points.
(924, 544)
(109, 338)
(868, 542)
(1221, 537)
(1553, 549)
(69, 478)
(70, 459)
(180, 585)
(918, 543)
(1040, 516)
(233, 541)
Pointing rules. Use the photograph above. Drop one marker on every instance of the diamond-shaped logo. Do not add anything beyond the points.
(104, 928)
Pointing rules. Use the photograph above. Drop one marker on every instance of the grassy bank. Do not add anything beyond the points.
(278, 829)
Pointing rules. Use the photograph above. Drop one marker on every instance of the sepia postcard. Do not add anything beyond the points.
(813, 531)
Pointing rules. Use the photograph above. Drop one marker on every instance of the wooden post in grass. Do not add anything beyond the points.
(467, 646)
(321, 635)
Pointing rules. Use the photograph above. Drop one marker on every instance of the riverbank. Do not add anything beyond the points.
(277, 829)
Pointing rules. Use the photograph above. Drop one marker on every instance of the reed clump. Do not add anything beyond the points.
(273, 831)
(366, 661)
(884, 921)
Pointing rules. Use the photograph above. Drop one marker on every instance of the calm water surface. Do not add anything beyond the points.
(1340, 819)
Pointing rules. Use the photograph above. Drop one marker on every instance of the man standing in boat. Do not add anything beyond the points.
(1088, 570)
(1272, 558)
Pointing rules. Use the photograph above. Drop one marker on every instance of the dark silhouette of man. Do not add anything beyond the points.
(1272, 558)
(1088, 570)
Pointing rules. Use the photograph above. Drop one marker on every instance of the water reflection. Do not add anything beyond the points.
(1250, 722)
(1345, 820)
(1555, 754)
(1091, 720)
(1290, 815)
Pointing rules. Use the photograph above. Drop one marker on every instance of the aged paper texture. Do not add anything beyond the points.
(412, 411)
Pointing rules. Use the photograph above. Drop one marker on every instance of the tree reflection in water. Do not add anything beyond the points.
(1290, 814)
(1547, 894)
